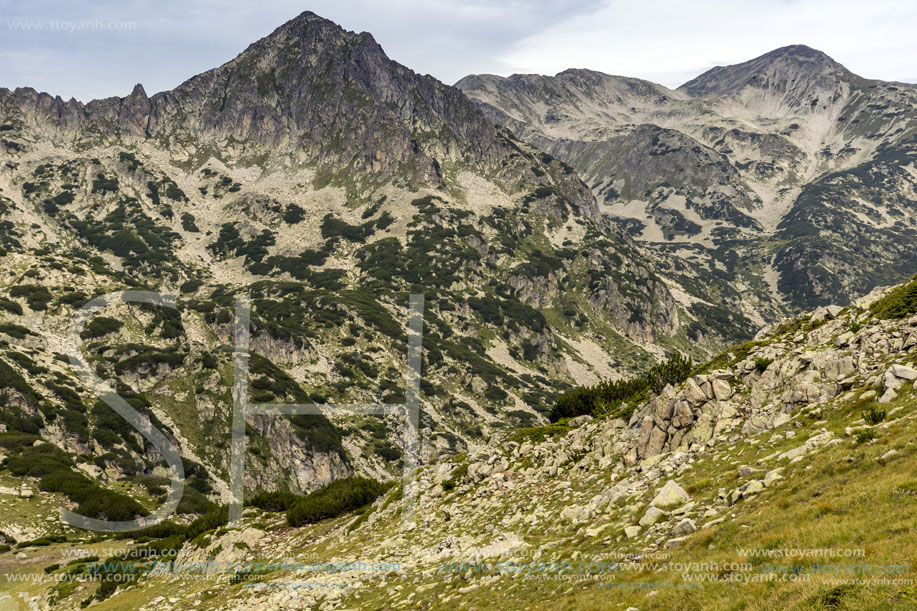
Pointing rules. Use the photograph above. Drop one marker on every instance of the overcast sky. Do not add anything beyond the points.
(100, 48)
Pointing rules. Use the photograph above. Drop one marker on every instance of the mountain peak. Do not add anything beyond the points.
(138, 92)
(787, 69)
(800, 51)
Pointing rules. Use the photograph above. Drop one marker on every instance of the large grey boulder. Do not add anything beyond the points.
(693, 392)
(671, 495)
(652, 515)
(685, 527)
(721, 389)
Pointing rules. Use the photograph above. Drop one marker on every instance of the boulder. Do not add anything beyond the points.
(840, 368)
(685, 527)
(889, 396)
(903, 372)
(655, 443)
(887, 455)
(693, 392)
(579, 421)
(892, 382)
(674, 542)
(843, 339)
(753, 487)
(683, 415)
(652, 515)
(662, 414)
(721, 389)
(819, 314)
(773, 477)
(631, 531)
(671, 495)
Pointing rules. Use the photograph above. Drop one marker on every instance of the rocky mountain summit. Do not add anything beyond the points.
(787, 174)
(310, 92)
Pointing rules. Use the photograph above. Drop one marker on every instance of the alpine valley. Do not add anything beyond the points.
(657, 324)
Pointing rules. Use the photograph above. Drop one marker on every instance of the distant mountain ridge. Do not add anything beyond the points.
(790, 161)
(309, 90)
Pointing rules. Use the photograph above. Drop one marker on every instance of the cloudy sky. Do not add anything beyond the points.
(99, 48)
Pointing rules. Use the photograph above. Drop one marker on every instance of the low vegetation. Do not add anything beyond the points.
(899, 303)
(619, 398)
(335, 499)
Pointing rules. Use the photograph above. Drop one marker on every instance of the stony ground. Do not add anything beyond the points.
(776, 445)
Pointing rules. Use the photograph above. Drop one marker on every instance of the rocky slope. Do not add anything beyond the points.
(787, 174)
(793, 441)
(328, 183)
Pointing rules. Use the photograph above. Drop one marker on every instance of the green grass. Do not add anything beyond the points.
(899, 303)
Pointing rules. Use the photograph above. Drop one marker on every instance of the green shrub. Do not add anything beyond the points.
(174, 193)
(618, 398)
(35, 295)
(56, 471)
(10, 378)
(38, 461)
(280, 500)
(212, 520)
(762, 363)
(874, 414)
(10, 306)
(129, 233)
(230, 243)
(603, 398)
(151, 357)
(674, 371)
(17, 441)
(866, 436)
(129, 160)
(15, 331)
(456, 477)
(496, 394)
(193, 502)
(188, 223)
(336, 228)
(335, 499)
(93, 500)
(101, 326)
(191, 286)
(293, 214)
(76, 299)
(388, 451)
(102, 184)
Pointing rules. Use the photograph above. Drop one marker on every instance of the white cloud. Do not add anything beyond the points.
(670, 42)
